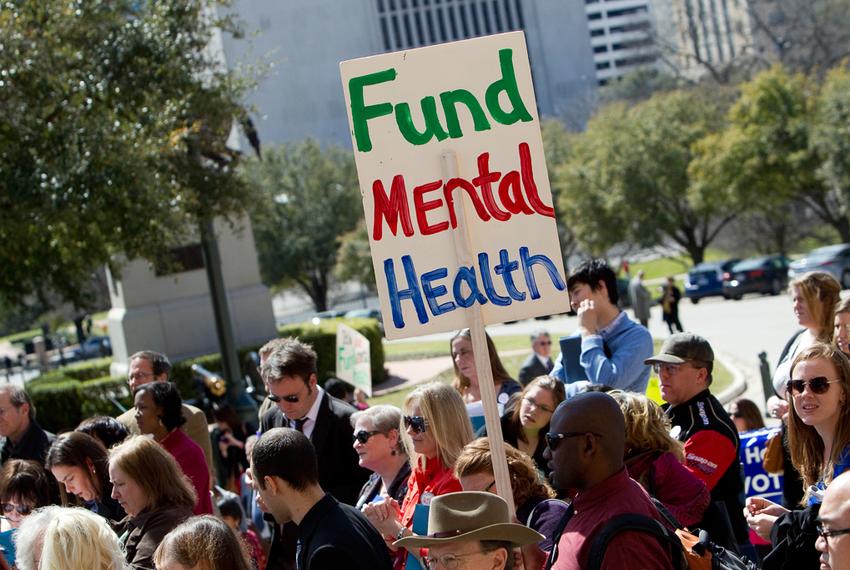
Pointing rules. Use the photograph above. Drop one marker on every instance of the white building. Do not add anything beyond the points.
(621, 33)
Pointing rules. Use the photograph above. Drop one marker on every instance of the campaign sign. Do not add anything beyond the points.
(353, 363)
(448, 149)
(757, 482)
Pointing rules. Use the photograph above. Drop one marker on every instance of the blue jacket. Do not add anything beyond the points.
(628, 344)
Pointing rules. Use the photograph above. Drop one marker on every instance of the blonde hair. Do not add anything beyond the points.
(205, 542)
(822, 294)
(461, 382)
(73, 538)
(155, 471)
(445, 414)
(525, 479)
(804, 442)
(647, 426)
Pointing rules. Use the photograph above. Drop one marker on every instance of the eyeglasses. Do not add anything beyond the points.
(363, 436)
(449, 561)
(824, 534)
(291, 399)
(818, 385)
(534, 403)
(672, 369)
(553, 439)
(23, 510)
(139, 376)
(417, 423)
(544, 342)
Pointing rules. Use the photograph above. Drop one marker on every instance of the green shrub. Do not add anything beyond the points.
(52, 377)
(96, 396)
(89, 369)
(323, 339)
(58, 405)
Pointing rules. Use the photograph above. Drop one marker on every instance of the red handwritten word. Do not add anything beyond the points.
(516, 190)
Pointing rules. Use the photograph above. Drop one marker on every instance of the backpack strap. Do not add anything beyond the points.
(634, 522)
(556, 536)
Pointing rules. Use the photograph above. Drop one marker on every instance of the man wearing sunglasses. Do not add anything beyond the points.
(684, 366)
(289, 372)
(585, 451)
(834, 525)
(539, 362)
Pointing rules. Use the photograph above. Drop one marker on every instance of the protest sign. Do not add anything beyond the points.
(758, 482)
(472, 101)
(353, 363)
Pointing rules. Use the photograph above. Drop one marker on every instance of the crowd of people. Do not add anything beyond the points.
(329, 482)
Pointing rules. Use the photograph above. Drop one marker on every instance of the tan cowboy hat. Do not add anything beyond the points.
(470, 515)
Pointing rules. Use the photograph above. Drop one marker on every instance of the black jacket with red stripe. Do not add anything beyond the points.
(712, 451)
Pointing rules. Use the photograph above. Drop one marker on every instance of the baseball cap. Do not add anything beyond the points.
(684, 347)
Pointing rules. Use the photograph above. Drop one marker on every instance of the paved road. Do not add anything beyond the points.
(739, 330)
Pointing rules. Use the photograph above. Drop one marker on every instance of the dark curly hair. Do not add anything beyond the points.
(167, 399)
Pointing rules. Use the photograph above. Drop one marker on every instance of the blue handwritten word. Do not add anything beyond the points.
(470, 285)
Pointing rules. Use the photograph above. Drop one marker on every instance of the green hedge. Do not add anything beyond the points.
(66, 396)
(323, 339)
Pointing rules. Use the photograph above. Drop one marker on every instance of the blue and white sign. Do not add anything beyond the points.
(758, 482)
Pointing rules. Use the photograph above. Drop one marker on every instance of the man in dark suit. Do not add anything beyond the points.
(289, 372)
(539, 362)
(330, 534)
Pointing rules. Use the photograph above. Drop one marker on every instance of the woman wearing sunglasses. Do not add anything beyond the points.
(436, 428)
(819, 441)
(377, 441)
(24, 487)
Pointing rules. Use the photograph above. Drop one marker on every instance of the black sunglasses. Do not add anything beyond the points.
(553, 439)
(290, 399)
(23, 510)
(418, 423)
(363, 436)
(818, 385)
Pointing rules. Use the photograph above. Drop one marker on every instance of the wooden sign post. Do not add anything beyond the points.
(456, 195)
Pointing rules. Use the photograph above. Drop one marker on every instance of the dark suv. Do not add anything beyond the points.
(767, 274)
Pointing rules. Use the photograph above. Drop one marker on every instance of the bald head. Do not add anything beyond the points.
(835, 515)
(592, 449)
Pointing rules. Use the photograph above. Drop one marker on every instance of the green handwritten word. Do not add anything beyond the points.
(362, 113)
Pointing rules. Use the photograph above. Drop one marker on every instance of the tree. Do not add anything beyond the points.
(765, 156)
(831, 133)
(310, 199)
(354, 262)
(628, 181)
(113, 122)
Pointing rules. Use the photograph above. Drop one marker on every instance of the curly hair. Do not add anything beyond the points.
(804, 442)
(647, 426)
(525, 479)
(822, 294)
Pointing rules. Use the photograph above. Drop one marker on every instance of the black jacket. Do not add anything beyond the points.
(33, 445)
(334, 535)
(532, 368)
(340, 473)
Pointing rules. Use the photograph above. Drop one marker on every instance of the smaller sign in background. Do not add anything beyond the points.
(352, 358)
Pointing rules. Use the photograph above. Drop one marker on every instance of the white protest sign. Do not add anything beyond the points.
(353, 363)
(475, 100)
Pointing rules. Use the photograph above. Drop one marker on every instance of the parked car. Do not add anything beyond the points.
(706, 279)
(364, 314)
(834, 259)
(92, 347)
(766, 274)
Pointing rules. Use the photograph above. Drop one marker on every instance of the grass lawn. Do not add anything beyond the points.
(400, 350)
(664, 266)
(722, 375)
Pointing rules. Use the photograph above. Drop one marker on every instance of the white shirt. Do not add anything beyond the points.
(311, 416)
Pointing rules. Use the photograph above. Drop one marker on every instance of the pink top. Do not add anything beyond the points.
(190, 457)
